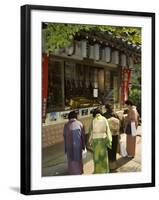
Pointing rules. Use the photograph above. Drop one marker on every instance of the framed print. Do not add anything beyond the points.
(87, 99)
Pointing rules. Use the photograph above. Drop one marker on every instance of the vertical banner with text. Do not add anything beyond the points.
(44, 84)
(126, 76)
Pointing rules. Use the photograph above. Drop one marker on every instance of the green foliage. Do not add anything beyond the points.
(135, 91)
(135, 96)
(61, 35)
(136, 75)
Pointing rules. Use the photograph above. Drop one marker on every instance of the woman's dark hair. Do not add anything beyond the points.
(108, 106)
(115, 115)
(96, 111)
(72, 115)
(129, 102)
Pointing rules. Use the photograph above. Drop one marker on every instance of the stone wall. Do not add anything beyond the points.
(53, 134)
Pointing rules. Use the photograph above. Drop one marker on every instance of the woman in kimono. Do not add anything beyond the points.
(114, 124)
(109, 111)
(74, 144)
(101, 140)
(130, 139)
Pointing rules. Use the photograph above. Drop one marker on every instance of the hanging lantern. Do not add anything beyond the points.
(44, 41)
(115, 57)
(77, 48)
(69, 50)
(96, 51)
(130, 62)
(84, 48)
(91, 51)
(123, 60)
(103, 54)
(107, 54)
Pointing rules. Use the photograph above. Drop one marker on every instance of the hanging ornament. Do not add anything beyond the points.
(115, 57)
(96, 51)
(44, 49)
(83, 48)
(130, 62)
(91, 51)
(69, 50)
(77, 48)
(103, 54)
(107, 54)
(123, 60)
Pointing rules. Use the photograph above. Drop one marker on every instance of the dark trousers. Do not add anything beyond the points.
(112, 152)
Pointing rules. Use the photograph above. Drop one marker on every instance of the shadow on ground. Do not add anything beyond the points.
(54, 161)
(121, 162)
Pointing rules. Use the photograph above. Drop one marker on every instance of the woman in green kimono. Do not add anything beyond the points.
(100, 139)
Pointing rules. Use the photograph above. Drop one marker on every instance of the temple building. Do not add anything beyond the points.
(91, 72)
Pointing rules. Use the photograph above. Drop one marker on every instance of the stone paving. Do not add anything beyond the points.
(54, 160)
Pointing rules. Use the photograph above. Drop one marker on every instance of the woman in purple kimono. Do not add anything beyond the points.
(74, 141)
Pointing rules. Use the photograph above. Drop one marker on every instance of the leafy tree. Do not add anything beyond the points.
(136, 76)
(135, 91)
(59, 35)
(135, 96)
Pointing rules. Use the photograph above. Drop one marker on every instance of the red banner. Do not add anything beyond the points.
(44, 84)
(126, 76)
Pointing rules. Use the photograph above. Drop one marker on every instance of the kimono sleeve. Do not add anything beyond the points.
(90, 137)
(109, 136)
(133, 115)
(83, 137)
(64, 135)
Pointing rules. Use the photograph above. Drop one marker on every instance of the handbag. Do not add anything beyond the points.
(89, 147)
(123, 151)
(133, 129)
(128, 129)
(89, 143)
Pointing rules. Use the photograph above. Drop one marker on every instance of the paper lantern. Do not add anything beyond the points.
(130, 62)
(103, 54)
(107, 54)
(69, 50)
(91, 51)
(96, 51)
(123, 60)
(77, 49)
(44, 49)
(115, 57)
(84, 48)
